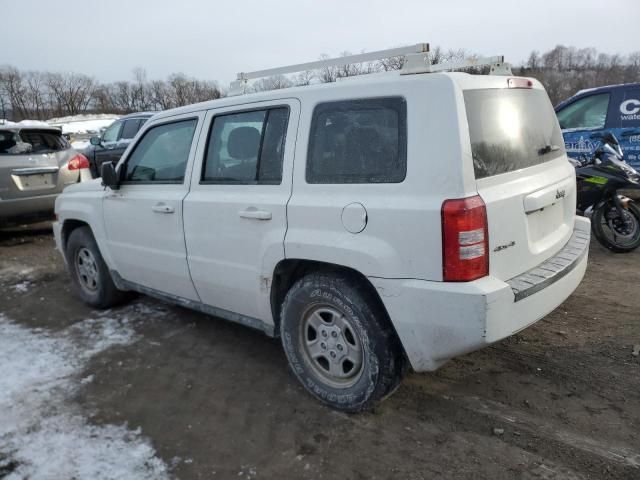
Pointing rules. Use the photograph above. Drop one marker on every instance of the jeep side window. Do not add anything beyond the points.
(589, 112)
(130, 129)
(111, 133)
(162, 153)
(358, 141)
(246, 147)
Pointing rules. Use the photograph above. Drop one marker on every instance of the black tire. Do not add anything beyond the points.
(104, 294)
(601, 235)
(364, 324)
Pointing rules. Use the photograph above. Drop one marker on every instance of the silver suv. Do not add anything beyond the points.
(36, 164)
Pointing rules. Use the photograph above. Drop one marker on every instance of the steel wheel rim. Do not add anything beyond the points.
(331, 346)
(87, 270)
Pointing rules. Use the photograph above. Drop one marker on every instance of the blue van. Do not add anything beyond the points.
(585, 116)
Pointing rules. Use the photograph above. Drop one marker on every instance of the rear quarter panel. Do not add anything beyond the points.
(402, 237)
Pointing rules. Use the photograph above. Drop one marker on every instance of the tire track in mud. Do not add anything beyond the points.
(570, 375)
(556, 448)
(567, 366)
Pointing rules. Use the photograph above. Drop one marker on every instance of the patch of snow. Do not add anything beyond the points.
(83, 117)
(250, 472)
(80, 144)
(33, 123)
(17, 273)
(22, 287)
(41, 432)
(75, 124)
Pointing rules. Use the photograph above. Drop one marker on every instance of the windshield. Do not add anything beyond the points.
(511, 129)
(31, 141)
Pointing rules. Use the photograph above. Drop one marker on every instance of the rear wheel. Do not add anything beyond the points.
(339, 342)
(89, 272)
(620, 234)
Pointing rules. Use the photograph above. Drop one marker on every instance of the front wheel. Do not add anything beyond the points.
(339, 342)
(89, 272)
(620, 234)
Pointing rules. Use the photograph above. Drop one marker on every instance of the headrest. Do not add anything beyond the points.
(243, 143)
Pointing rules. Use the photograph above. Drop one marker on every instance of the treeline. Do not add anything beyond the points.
(42, 95)
(565, 70)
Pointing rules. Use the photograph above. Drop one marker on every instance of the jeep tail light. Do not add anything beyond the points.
(519, 83)
(465, 239)
(78, 162)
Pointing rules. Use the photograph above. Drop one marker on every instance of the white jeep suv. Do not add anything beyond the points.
(371, 224)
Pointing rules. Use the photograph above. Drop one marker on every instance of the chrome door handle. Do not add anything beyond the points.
(163, 208)
(255, 214)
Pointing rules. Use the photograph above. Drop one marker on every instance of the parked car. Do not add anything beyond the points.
(404, 216)
(587, 116)
(36, 164)
(111, 144)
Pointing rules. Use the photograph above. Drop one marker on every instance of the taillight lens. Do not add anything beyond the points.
(78, 162)
(465, 239)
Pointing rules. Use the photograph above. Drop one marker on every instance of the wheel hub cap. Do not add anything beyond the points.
(331, 346)
(87, 269)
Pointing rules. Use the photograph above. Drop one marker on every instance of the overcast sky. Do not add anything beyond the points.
(215, 39)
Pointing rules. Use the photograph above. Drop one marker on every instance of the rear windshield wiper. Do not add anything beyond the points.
(548, 149)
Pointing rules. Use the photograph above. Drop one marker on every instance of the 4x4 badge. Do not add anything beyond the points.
(504, 247)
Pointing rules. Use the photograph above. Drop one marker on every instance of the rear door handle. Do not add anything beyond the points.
(163, 208)
(255, 214)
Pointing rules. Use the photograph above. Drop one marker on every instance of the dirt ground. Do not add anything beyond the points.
(560, 400)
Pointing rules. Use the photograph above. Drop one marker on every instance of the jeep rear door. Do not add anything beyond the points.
(522, 174)
(235, 214)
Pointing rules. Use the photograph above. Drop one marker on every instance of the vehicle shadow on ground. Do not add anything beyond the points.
(21, 234)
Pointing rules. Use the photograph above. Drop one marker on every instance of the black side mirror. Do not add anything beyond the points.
(109, 176)
(95, 141)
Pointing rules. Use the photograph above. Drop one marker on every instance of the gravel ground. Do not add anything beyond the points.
(150, 390)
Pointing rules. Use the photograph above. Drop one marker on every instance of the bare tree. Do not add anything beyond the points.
(392, 63)
(160, 97)
(327, 74)
(275, 82)
(141, 90)
(304, 78)
(565, 70)
(71, 93)
(534, 60)
(14, 88)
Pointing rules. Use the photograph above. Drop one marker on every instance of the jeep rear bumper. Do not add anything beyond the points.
(437, 321)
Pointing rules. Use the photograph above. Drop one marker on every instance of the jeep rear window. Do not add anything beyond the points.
(511, 129)
(358, 141)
